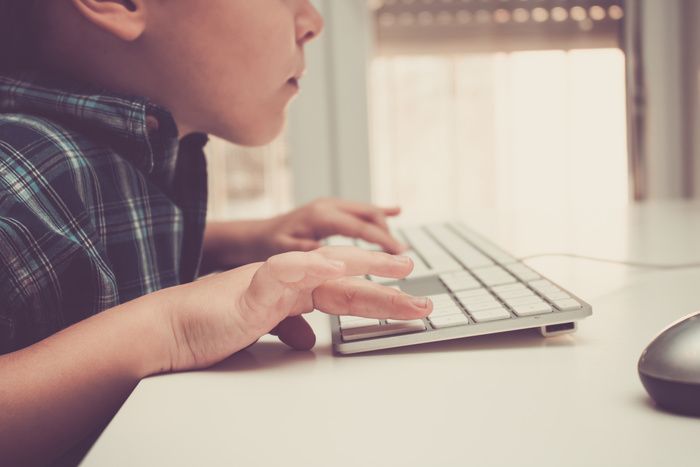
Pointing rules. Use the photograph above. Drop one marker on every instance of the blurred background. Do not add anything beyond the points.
(448, 106)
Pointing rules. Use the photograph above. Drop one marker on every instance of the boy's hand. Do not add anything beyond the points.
(222, 314)
(232, 244)
(301, 230)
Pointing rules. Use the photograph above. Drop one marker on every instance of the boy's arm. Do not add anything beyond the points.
(57, 391)
(231, 244)
(61, 389)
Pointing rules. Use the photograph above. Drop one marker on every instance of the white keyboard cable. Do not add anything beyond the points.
(634, 264)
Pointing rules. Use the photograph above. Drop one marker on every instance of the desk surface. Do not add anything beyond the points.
(509, 399)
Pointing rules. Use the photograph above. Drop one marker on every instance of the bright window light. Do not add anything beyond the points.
(451, 133)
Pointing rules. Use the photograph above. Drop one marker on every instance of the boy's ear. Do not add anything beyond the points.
(125, 19)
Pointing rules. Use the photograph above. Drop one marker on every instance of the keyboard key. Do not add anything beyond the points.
(493, 314)
(461, 280)
(516, 293)
(558, 295)
(509, 287)
(467, 254)
(418, 323)
(531, 300)
(487, 247)
(494, 275)
(534, 309)
(541, 284)
(351, 322)
(348, 319)
(435, 256)
(550, 289)
(497, 280)
(567, 305)
(454, 275)
(468, 301)
(472, 293)
(498, 255)
(490, 270)
(441, 299)
(446, 310)
(383, 330)
(419, 265)
(523, 272)
(440, 322)
(443, 304)
(484, 306)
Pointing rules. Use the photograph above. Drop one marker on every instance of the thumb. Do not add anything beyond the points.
(296, 333)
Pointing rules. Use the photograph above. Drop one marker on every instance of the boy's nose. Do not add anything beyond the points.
(309, 23)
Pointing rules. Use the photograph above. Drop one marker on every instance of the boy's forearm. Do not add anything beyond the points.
(77, 379)
(232, 244)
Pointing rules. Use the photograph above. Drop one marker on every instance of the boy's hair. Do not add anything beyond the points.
(18, 35)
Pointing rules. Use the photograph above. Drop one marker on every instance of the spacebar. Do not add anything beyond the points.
(381, 330)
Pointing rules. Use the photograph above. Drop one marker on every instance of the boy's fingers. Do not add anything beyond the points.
(296, 333)
(305, 271)
(359, 297)
(295, 269)
(370, 212)
(391, 212)
(359, 262)
(298, 244)
(351, 226)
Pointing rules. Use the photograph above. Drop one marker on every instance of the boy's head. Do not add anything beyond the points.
(226, 67)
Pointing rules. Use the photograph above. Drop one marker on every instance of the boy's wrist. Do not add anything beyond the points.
(149, 330)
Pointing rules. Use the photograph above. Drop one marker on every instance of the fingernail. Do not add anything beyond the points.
(420, 302)
(402, 260)
(336, 264)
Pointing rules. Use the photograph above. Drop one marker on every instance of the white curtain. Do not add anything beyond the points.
(460, 129)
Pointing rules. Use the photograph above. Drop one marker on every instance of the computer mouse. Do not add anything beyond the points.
(670, 367)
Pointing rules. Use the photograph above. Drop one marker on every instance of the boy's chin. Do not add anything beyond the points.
(252, 137)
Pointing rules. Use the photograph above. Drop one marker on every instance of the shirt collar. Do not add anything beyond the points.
(147, 132)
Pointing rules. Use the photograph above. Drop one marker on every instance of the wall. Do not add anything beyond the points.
(328, 130)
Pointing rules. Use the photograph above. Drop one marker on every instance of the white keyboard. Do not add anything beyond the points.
(476, 289)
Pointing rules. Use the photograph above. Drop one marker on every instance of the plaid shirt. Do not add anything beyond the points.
(99, 204)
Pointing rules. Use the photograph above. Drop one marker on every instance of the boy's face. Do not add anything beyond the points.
(229, 67)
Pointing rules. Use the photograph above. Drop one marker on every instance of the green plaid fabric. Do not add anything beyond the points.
(100, 203)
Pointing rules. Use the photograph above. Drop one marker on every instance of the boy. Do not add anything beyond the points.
(102, 206)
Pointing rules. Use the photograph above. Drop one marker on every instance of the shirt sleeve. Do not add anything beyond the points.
(54, 270)
(48, 281)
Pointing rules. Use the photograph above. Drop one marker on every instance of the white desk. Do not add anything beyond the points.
(515, 399)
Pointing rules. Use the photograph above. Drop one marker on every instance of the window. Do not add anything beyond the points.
(497, 103)
(247, 182)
